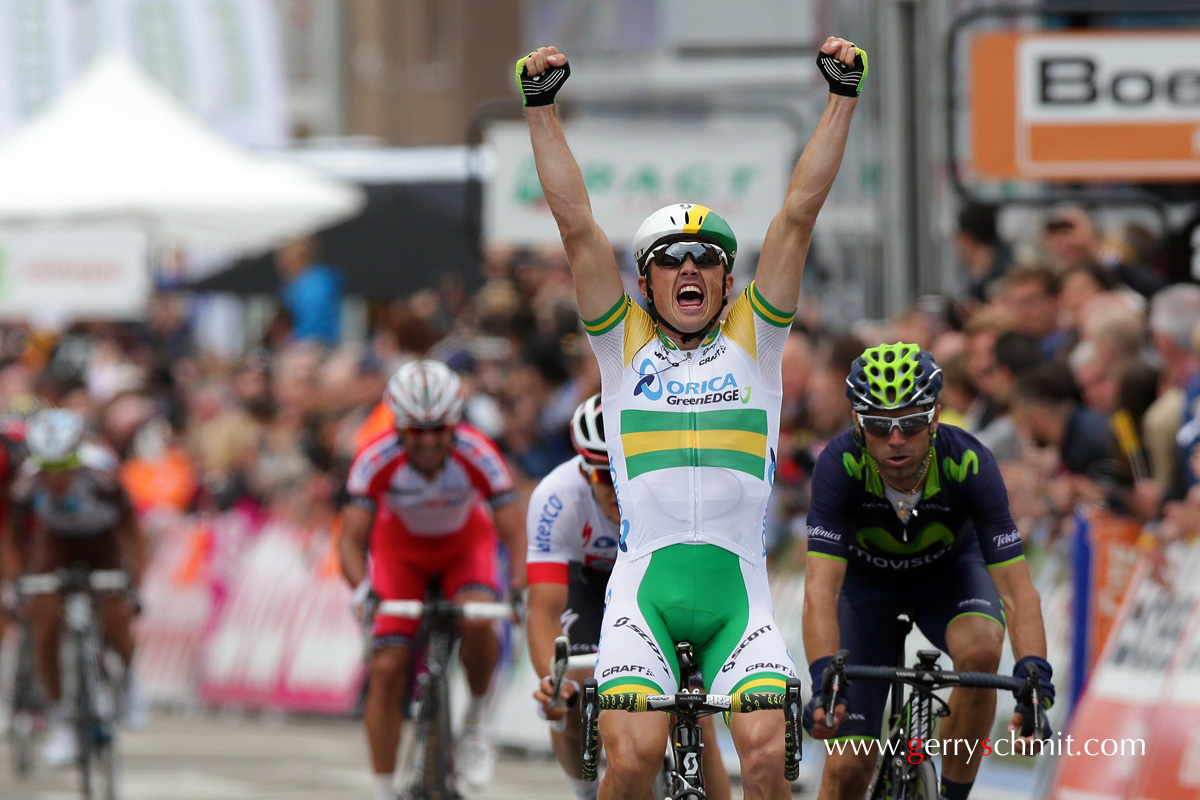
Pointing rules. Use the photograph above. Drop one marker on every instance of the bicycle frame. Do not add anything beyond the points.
(95, 696)
(686, 778)
(913, 773)
(434, 776)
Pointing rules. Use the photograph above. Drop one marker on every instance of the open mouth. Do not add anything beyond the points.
(898, 461)
(689, 296)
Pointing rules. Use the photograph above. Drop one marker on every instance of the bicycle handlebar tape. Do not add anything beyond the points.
(623, 701)
(844, 80)
(755, 701)
(540, 89)
(793, 743)
(589, 711)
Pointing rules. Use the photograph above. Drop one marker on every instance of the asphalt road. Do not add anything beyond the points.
(215, 757)
(233, 756)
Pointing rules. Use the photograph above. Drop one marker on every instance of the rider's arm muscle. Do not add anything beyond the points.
(352, 544)
(510, 524)
(1022, 608)
(597, 279)
(785, 249)
(547, 601)
(822, 585)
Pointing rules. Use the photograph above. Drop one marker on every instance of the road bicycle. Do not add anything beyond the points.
(903, 772)
(684, 777)
(93, 686)
(427, 759)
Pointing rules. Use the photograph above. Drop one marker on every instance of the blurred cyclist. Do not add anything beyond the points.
(70, 493)
(573, 527)
(14, 544)
(418, 503)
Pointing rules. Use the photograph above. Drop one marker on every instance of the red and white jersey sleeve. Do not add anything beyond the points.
(475, 471)
(564, 524)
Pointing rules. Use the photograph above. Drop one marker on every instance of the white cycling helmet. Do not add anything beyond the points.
(54, 438)
(683, 221)
(425, 394)
(587, 431)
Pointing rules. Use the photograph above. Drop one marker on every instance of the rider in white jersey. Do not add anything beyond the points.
(573, 523)
(691, 411)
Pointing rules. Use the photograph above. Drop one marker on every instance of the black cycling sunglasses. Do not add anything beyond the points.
(673, 254)
(909, 425)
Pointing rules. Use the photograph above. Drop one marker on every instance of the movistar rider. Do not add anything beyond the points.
(691, 415)
(910, 515)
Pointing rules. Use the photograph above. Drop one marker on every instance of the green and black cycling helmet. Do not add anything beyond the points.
(893, 376)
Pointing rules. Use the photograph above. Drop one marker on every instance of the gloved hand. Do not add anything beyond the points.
(540, 89)
(1023, 706)
(844, 80)
(362, 593)
(816, 671)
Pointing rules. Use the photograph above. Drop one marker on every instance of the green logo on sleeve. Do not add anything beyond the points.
(957, 471)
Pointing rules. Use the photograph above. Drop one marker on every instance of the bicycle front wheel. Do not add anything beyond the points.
(922, 783)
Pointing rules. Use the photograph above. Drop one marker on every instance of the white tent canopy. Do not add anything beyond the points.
(115, 147)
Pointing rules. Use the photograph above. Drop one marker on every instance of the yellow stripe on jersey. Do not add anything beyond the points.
(635, 444)
(780, 319)
(739, 325)
(639, 329)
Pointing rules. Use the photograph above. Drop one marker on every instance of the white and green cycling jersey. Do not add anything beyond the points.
(692, 435)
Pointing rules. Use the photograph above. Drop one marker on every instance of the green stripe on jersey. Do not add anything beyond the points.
(751, 420)
(609, 319)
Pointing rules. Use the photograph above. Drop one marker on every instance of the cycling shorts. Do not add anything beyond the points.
(50, 552)
(867, 610)
(585, 607)
(403, 565)
(697, 593)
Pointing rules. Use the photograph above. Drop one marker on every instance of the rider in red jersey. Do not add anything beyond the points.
(426, 500)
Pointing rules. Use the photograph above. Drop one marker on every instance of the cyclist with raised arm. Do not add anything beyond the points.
(691, 415)
(911, 515)
(426, 500)
(572, 527)
(70, 494)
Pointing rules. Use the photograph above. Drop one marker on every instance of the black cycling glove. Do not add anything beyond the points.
(1045, 673)
(843, 80)
(539, 90)
(816, 671)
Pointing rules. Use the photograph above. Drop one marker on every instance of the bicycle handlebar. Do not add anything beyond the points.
(691, 701)
(414, 609)
(101, 580)
(935, 679)
(1028, 688)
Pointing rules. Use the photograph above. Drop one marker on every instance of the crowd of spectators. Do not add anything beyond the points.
(1050, 347)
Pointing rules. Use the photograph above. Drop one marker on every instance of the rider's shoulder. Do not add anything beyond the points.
(953, 441)
(840, 445)
(958, 449)
(566, 480)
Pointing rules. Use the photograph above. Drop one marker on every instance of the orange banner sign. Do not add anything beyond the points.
(1085, 106)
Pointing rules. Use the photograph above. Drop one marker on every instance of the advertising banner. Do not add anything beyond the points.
(1085, 105)
(285, 637)
(1121, 705)
(1171, 769)
(739, 168)
(93, 271)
